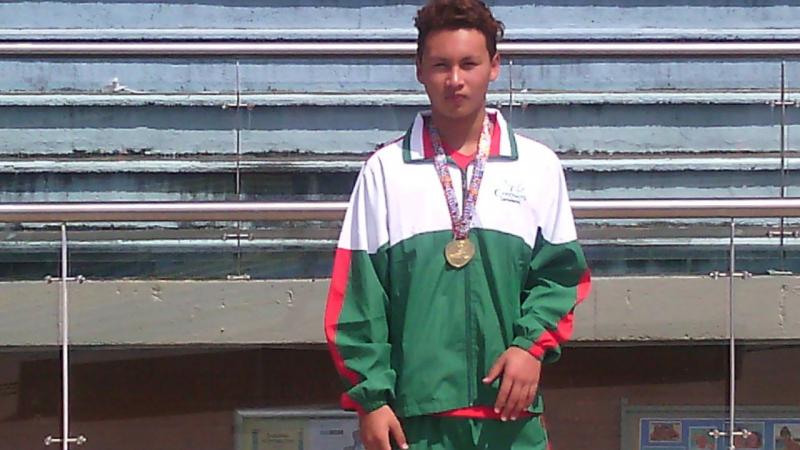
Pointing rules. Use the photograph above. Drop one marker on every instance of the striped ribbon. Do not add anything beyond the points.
(461, 222)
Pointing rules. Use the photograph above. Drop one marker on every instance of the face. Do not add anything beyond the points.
(456, 69)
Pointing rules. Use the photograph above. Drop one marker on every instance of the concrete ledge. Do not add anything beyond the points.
(690, 308)
(620, 310)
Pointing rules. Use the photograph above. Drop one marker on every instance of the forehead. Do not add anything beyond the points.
(455, 43)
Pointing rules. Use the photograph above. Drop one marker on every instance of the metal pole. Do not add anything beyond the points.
(510, 91)
(732, 343)
(64, 316)
(122, 49)
(315, 210)
(238, 169)
(783, 157)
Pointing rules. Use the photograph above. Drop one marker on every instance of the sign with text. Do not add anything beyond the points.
(296, 430)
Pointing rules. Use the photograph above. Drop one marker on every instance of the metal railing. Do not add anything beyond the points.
(117, 49)
(229, 211)
(597, 209)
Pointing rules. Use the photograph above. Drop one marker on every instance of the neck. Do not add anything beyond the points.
(462, 134)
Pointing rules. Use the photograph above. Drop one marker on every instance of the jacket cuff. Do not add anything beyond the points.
(362, 405)
(371, 406)
(529, 346)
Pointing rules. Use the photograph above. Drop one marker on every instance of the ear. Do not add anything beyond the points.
(495, 64)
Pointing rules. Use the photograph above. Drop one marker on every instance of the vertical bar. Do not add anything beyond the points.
(238, 132)
(238, 169)
(238, 160)
(510, 91)
(64, 315)
(238, 195)
(783, 158)
(732, 343)
(238, 98)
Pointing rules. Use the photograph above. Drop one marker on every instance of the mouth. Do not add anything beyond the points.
(456, 98)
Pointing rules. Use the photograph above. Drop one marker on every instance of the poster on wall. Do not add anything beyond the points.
(286, 434)
(711, 434)
(332, 434)
(786, 435)
(296, 430)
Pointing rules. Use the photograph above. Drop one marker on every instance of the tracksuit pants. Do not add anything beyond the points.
(455, 433)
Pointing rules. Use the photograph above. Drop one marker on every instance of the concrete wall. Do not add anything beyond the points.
(625, 310)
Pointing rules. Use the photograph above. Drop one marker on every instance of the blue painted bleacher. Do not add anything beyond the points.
(89, 129)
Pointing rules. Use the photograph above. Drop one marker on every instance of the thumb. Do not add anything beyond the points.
(398, 435)
(496, 370)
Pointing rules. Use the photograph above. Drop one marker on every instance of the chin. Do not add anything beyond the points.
(460, 112)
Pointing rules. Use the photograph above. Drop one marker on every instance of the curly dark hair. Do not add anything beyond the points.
(456, 14)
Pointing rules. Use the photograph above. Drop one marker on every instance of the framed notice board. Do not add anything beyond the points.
(693, 428)
(296, 429)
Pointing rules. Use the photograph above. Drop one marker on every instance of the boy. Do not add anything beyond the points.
(457, 268)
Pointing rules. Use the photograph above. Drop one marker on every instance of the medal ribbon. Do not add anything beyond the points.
(461, 222)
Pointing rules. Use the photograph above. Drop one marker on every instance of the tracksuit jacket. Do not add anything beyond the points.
(407, 330)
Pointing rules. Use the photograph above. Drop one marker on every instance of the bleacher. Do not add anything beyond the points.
(296, 128)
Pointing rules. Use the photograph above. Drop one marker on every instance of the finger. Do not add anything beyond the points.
(531, 396)
(502, 395)
(513, 401)
(383, 441)
(527, 400)
(397, 433)
(517, 400)
(376, 443)
(495, 371)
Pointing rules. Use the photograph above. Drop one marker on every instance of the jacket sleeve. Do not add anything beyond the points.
(558, 280)
(356, 312)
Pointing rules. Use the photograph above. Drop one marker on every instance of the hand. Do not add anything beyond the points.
(376, 427)
(520, 373)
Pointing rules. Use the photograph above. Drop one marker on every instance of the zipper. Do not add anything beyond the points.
(468, 303)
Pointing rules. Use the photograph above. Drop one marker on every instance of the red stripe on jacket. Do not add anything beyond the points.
(584, 287)
(333, 309)
(349, 404)
(477, 412)
(563, 332)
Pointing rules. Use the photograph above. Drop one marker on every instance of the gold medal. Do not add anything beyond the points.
(459, 252)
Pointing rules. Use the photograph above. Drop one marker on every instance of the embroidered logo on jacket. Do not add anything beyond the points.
(510, 192)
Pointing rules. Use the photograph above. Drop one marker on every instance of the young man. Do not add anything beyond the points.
(457, 269)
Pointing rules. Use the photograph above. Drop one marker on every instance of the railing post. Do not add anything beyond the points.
(64, 316)
(63, 319)
(732, 336)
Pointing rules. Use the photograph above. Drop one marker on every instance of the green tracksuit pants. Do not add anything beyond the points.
(452, 433)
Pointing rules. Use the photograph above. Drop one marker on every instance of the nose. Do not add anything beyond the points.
(455, 78)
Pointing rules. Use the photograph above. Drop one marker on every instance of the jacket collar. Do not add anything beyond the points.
(414, 142)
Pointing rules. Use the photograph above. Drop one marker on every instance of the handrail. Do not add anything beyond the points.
(117, 49)
(302, 211)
